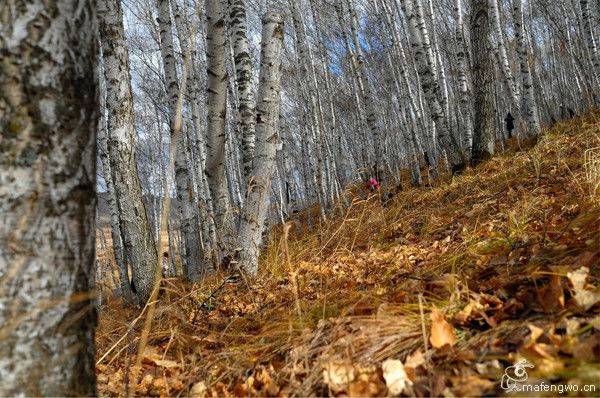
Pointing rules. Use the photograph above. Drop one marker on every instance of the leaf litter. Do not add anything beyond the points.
(434, 293)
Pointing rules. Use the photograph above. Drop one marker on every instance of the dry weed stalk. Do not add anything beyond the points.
(592, 171)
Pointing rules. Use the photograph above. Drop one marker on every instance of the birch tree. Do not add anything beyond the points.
(309, 92)
(591, 41)
(217, 108)
(192, 252)
(48, 121)
(243, 79)
(463, 88)
(529, 109)
(115, 227)
(365, 83)
(348, 78)
(483, 78)
(431, 88)
(254, 213)
(513, 89)
(138, 241)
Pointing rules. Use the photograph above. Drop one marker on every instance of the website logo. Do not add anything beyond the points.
(513, 375)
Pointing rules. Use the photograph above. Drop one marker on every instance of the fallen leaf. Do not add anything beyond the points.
(471, 386)
(165, 363)
(414, 360)
(363, 389)
(442, 332)
(395, 376)
(578, 278)
(588, 348)
(533, 348)
(584, 298)
(595, 322)
(265, 383)
(536, 333)
(551, 297)
(198, 390)
(337, 375)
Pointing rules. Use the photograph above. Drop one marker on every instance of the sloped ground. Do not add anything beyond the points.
(457, 282)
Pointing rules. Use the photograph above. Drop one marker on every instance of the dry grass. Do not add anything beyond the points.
(348, 292)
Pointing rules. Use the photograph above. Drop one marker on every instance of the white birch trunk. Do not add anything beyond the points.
(256, 207)
(217, 108)
(138, 241)
(244, 80)
(368, 99)
(313, 111)
(483, 79)
(48, 123)
(589, 36)
(192, 251)
(463, 87)
(503, 55)
(425, 39)
(115, 228)
(167, 53)
(441, 72)
(529, 109)
(431, 90)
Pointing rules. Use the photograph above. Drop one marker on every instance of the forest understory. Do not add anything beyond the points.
(457, 281)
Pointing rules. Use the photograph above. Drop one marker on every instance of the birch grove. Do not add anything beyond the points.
(368, 88)
(253, 117)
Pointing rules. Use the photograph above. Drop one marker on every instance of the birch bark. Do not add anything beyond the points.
(256, 207)
(591, 42)
(192, 253)
(138, 241)
(503, 55)
(463, 88)
(529, 109)
(48, 123)
(244, 80)
(483, 79)
(431, 89)
(115, 228)
(217, 108)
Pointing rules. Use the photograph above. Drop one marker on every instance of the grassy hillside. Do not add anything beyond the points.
(457, 281)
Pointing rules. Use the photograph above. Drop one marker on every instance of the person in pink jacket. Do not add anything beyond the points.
(372, 184)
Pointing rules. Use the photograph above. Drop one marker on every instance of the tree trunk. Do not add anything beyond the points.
(589, 36)
(529, 110)
(503, 56)
(463, 88)
(244, 80)
(192, 251)
(138, 241)
(48, 122)
(217, 108)
(368, 99)
(115, 228)
(312, 114)
(431, 89)
(258, 196)
(483, 81)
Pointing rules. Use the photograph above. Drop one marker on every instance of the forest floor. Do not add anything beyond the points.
(435, 293)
